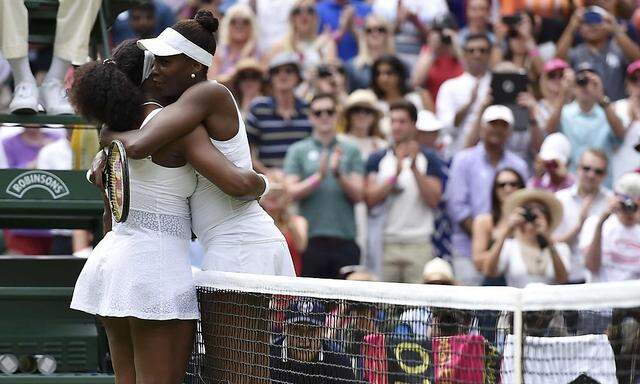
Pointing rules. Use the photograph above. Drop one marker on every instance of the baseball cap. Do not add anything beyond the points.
(306, 311)
(554, 65)
(497, 112)
(428, 122)
(437, 270)
(633, 67)
(556, 146)
(284, 58)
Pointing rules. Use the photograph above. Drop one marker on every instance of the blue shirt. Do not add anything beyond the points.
(587, 130)
(329, 15)
(271, 133)
(468, 190)
(121, 30)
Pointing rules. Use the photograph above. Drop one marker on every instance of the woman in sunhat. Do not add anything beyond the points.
(531, 256)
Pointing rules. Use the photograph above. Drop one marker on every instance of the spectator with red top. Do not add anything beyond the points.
(438, 60)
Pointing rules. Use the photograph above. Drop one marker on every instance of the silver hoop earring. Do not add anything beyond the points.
(193, 75)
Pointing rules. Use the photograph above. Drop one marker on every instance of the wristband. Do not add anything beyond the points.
(267, 186)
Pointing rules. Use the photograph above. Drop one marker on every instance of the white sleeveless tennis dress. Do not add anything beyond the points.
(141, 268)
(237, 236)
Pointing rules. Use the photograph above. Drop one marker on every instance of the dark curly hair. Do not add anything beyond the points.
(108, 92)
(200, 30)
(397, 67)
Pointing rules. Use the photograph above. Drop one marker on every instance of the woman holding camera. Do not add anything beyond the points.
(531, 256)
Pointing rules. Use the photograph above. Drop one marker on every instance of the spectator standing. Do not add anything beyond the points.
(74, 22)
(275, 122)
(532, 256)
(586, 198)
(277, 203)
(247, 83)
(589, 121)
(407, 179)
(326, 178)
(478, 14)
(304, 40)
(376, 41)
(551, 164)
(343, 18)
(302, 351)
(238, 40)
(625, 158)
(460, 99)
(491, 230)
(469, 186)
(411, 19)
(124, 27)
(438, 60)
(611, 241)
(606, 47)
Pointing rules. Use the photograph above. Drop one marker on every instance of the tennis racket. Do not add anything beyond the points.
(117, 181)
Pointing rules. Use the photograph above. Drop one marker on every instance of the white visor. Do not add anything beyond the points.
(171, 42)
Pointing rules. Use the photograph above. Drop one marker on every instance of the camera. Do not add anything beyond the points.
(628, 206)
(582, 79)
(528, 215)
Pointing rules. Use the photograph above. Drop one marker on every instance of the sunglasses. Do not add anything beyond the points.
(482, 51)
(250, 76)
(555, 75)
(319, 112)
(310, 10)
(288, 69)
(597, 171)
(242, 22)
(370, 30)
(363, 110)
(512, 184)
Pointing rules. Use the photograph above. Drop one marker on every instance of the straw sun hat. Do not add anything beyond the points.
(524, 196)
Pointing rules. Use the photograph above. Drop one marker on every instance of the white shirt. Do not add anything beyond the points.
(452, 96)
(408, 219)
(620, 249)
(626, 158)
(56, 155)
(513, 266)
(572, 204)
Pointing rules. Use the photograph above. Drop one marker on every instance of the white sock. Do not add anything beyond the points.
(57, 70)
(21, 70)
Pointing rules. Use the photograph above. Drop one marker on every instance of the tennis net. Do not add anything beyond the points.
(267, 329)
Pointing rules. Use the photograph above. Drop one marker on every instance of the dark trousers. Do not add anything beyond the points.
(326, 255)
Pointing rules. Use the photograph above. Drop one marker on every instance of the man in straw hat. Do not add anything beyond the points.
(611, 241)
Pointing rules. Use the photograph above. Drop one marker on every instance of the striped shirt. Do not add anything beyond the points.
(271, 133)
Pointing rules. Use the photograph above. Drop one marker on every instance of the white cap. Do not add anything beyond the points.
(628, 185)
(497, 112)
(170, 42)
(437, 270)
(556, 147)
(428, 122)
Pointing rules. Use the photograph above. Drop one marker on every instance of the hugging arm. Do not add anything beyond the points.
(172, 123)
(212, 164)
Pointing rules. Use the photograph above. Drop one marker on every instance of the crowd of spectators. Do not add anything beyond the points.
(499, 136)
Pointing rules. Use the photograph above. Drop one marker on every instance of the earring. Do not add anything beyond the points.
(193, 75)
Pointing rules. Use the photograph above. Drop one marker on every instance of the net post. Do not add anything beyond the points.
(519, 339)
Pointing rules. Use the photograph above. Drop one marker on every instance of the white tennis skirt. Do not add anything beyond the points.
(138, 272)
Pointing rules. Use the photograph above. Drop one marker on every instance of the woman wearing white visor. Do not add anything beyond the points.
(238, 236)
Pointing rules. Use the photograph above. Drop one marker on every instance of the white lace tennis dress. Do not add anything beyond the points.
(141, 268)
(237, 236)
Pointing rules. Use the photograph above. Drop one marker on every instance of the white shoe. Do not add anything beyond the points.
(54, 98)
(25, 98)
